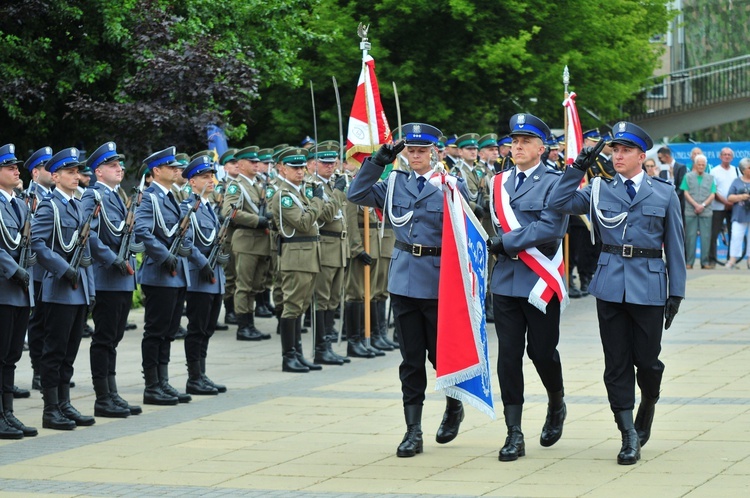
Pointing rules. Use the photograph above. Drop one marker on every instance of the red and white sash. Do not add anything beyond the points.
(549, 271)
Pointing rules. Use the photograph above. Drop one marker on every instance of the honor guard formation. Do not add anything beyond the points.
(299, 234)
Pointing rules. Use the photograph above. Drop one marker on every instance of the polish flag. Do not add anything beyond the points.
(368, 126)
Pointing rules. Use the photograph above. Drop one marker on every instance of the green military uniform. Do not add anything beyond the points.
(230, 287)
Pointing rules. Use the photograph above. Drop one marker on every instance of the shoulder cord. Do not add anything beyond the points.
(396, 221)
(11, 243)
(204, 240)
(281, 214)
(247, 198)
(116, 231)
(58, 230)
(159, 219)
(594, 209)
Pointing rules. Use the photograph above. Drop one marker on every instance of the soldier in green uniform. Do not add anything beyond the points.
(181, 188)
(482, 174)
(231, 171)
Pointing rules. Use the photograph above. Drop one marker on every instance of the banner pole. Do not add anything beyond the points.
(566, 239)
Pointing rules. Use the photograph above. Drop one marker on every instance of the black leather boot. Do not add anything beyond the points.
(514, 444)
(353, 315)
(12, 420)
(323, 353)
(230, 318)
(412, 442)
(260, 308)
(279, 311)
(52, 417)
(383, 324)
(219, 387)
(644, 418)
(134, 409)
(246, 330)
(332, 334)
(195, 383)
(585, 281)
(452, 418)
(20, 393)
(553, 425)
(167, 388)
(376, 341)
(67, 409)
(298, 347)
(265, 298)
(153, 394)
(105, 406)
(7, 431)
(289, 361)
(630, 452)
(36, 380)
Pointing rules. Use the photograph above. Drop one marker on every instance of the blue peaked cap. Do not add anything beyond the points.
(101, 155)
(66, 158)
(530, 125)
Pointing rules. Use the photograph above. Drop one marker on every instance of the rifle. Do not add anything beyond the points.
(216, 251)
(126, 244)
(83, 238)
(27, 258)
(176, 249)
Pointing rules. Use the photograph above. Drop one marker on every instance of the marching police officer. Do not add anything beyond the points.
(415, 208)
(635, 215)
(67, 291)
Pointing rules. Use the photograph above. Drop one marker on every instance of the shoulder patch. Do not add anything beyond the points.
(232, 189)
(479, 172)
(309, 192)
(269, 192)
(286, 201)
(188, 189)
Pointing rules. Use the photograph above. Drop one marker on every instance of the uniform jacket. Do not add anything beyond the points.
(653, 219)
(409, 275)
(158, 242)
(45, 241)
(105, 239)
(334, 251)
(36, 271)
(250, 197)
(206, 227)
(11, 294)
(541, 227)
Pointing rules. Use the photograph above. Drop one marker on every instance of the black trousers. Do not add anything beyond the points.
(517, 321)
(162, 320)
(203, 312)
(719, 217)
(63, 329)
(110, 318)
(14, 320)
(36, 326)
(416, 324)
(631, 336)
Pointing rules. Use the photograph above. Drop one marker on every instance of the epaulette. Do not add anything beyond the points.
(553, 171)
(400, 171)
(660, 179)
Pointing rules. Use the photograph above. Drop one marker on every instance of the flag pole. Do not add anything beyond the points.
(365, 46)
(566, 239)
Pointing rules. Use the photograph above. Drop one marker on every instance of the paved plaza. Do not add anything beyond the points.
(335, 432)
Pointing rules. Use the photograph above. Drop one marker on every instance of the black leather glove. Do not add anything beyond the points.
(121, 265)
(387, 153)
(262, 222)
(92, 303)
(21, 277)
(495, 245)
(170, 264)
(340, 183)
(71, 276)
(365, 258)
(479, 212)
(206, 273)
(670, 310)
(318, 192)
(587, 156)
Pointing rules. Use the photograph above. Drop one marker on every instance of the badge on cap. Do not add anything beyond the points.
(521, 119)
(12, 149)
(621, 126)
(73, 152)
(111, 146)
(48, 150)
(416, 129)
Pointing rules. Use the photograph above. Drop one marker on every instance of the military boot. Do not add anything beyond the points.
(383, 324)
(332, 334)
(514, 444)
(630, 452)
(219, 387)
(265, 298)
(323, 353)
(452, 418)
(105, 405)
(36, 380)
(52, 417)
(289, 361)
(167, 388)
(230, 318)
(12, 420)
(585, 281)
(7, 431)
(553, 425)
(195, 383)
(377, 341)
(153, 394)
(298, 347)
(67, 409)
(367, 343)
(412, 442)
(246, 330)
(134, 409)
(260, 308)
(645, 417)
(353, 313)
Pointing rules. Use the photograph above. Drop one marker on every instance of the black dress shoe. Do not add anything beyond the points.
(248, 334)
(221, 326)
(87, 331)
(452, 418)
(514, 445)
(553, 426)
(27, 431)
(20, 393)
(131, 326)
(262, 312)
(181, 333)
(230, 317)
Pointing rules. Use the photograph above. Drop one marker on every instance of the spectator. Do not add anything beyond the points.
(650, 167)
(739, 196)
(700, 189)
(673, 172)
(724, 175)
(694, 152)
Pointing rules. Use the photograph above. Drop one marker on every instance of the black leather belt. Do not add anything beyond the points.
(338, 235)
(628, 251)
(372, 225)
(417, 249)
(288, 240)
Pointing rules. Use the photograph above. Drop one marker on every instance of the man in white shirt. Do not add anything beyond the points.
(724, 174)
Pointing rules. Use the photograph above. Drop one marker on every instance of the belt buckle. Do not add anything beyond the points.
(343, 235)
(416, 249)
(627, 251)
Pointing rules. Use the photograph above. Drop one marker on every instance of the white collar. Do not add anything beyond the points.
(161, 187)
(637, 179)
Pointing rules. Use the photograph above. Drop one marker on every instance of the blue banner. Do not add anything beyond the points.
(711, 150)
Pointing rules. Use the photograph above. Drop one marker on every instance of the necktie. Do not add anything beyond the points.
(174, 202)
(630, 189)
(14, 203)
(210, 211)
(521, 177)
(420, 183)
(119, 199)
(72, 203)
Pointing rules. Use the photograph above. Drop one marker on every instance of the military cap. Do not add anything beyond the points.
(560, 139)
(38, 158)
(607, 137)
(552, 144)
(451, 140)
(226, 157)
(66, 158)
(420, 134)
(183, 159)
(294, 157)
(307, 142)
(505, 141)
(530, 125)
(334, 143)
(279, 148)
(249, 153)
(467, 140)
(327, 153)
(84, 170)
(488, 140)
(197, 166)
(631, 135)
(265, 155)
(8, 155)
(592, 135)
(164, 157)
(441, 142)
(103, 154)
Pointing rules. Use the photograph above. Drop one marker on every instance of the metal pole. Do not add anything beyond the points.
(365, 47)
(566, 239)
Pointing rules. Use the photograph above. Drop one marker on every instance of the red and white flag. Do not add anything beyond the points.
(573, 133)
(368, 126)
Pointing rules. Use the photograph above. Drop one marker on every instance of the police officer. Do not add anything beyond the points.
(416, 211)
(451, 152)
(114, 278)
(206, 288)
(635, 215)
(505, 158)
(527, 306)
(181, 188)
(67, 291)
(163, 275)
(16, 289)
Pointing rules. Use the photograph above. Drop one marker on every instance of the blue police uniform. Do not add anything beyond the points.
(55, 232)
(416, 213)
(156, 226)
(632, 282)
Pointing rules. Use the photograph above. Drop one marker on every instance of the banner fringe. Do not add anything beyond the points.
(465, 397)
